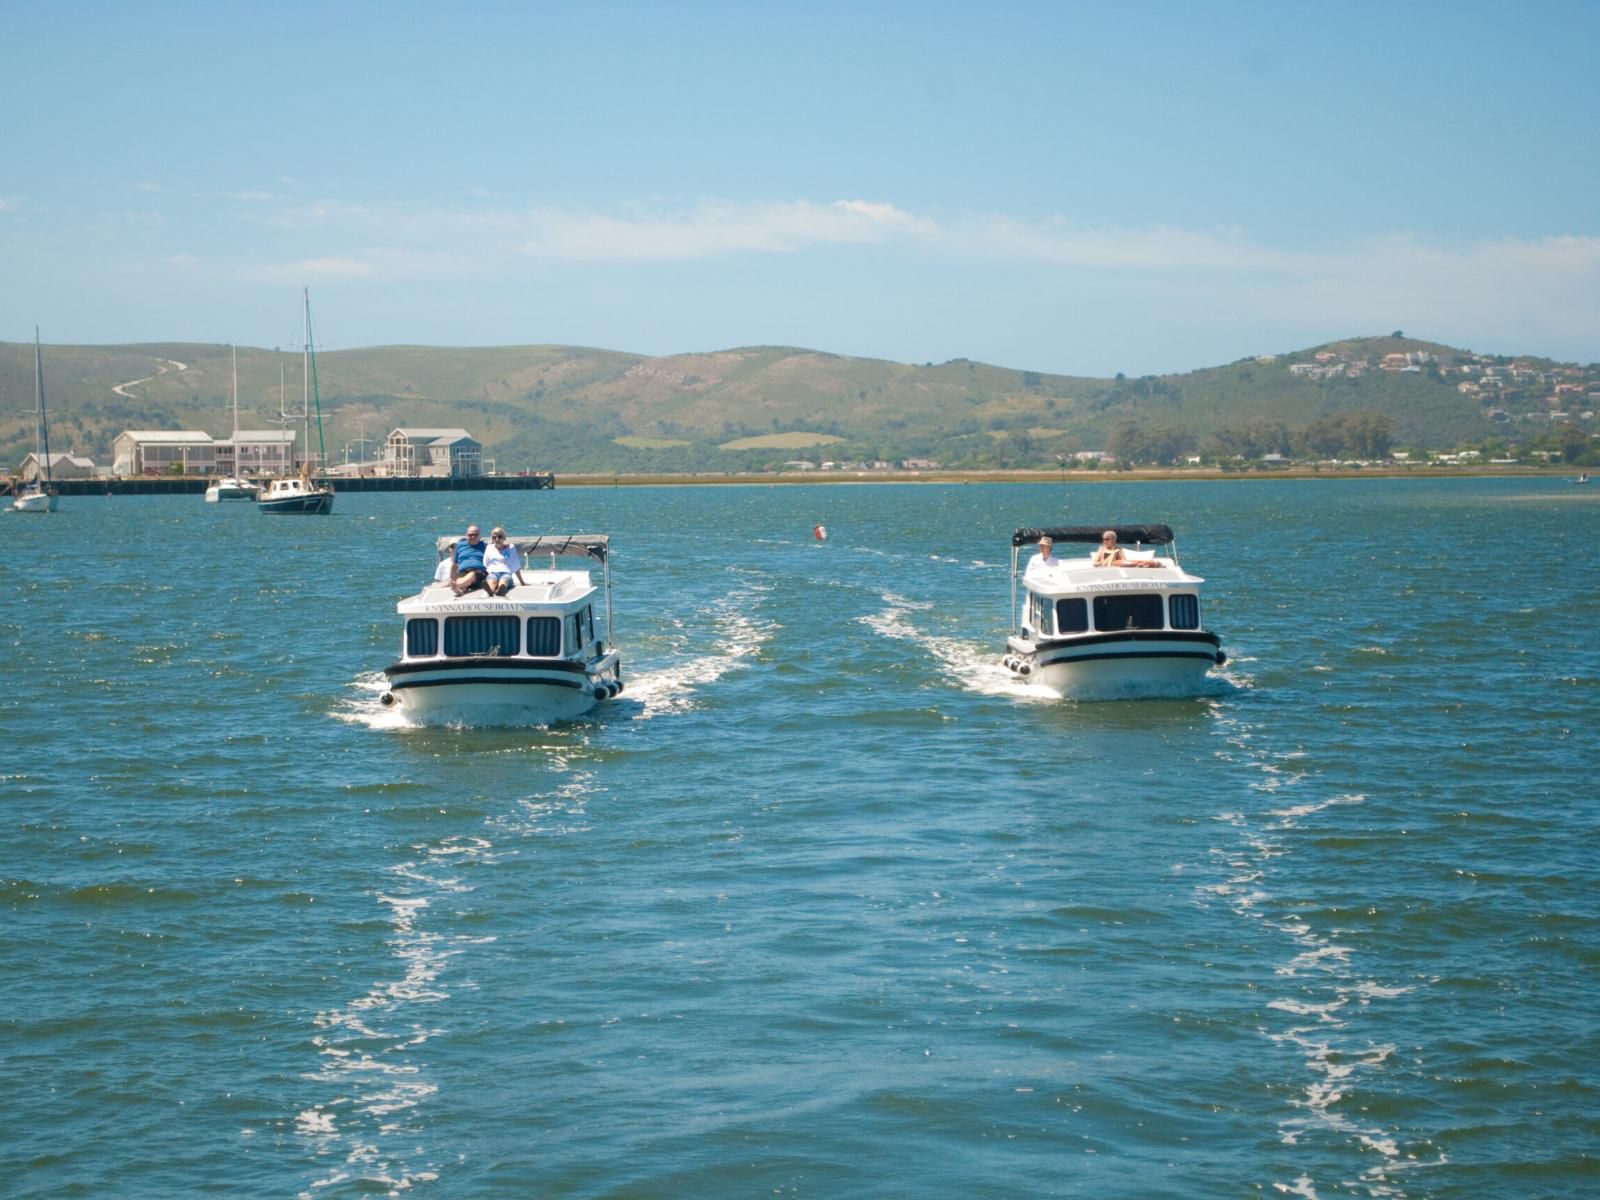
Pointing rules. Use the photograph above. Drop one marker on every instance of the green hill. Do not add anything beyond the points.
(569, 408)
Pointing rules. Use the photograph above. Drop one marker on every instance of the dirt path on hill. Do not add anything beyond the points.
(163, 365)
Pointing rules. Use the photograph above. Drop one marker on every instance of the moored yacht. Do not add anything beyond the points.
(295, 494)
(231, 487)
(1125, 630)
(38, 496)
(536, 654)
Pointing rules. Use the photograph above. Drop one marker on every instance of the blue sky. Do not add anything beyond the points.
(1078, 188)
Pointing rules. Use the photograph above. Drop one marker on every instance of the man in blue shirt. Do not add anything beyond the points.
(466, 571)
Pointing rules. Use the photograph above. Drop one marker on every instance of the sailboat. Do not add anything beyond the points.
(302, 494)
(38, 496)
(233, 487)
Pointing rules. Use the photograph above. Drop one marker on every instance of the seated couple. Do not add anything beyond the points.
(474, 563)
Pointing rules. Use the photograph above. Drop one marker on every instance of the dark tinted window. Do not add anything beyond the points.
(422, 638)
(1072, 616)
(466, 636)
(544, 637)
(1139, 611)
(1185, 611)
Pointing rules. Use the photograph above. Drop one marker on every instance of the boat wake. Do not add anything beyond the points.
(1324, 994)
(371, 1128)
(975, 666)
(739, 636)
(366, 707)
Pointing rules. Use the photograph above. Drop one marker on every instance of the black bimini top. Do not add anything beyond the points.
(1140, 534)
(562, 545)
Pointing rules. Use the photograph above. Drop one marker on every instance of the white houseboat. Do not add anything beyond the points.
(534, 655)
(1125, 630)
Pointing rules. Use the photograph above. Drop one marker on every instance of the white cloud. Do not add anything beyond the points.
(385, 265)
(1533, 290)
(710, 229)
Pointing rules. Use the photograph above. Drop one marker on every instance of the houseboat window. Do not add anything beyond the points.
(1139, 611)
(468, 636)
(544, 637)
(1038, 613)
(422, 637)
(573, 644)
(586, 626)
(1185, 611)
(1072, 615)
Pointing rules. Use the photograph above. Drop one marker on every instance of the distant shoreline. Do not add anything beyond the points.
(1149, 475)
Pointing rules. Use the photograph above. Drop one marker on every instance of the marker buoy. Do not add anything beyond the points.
(820, 532)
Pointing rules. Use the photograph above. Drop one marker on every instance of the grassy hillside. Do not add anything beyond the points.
(575, 408)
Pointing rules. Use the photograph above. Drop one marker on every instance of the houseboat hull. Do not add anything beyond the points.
(1119, 666)
(311, 502)
(498, 691)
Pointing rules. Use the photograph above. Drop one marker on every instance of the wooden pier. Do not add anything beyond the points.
(175, 485)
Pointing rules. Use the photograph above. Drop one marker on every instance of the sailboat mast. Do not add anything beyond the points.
(322, 450)
(236, 401)
(42, 428)
(305, 385)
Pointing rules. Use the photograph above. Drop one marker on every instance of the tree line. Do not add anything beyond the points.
(1360, 434)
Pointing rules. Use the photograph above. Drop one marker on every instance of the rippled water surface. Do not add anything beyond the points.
(824, 905)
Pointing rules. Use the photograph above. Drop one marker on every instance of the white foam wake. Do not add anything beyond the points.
(366, 707)
(1325, 1008)
(976, 667)
(738, 635)
(368, 1049)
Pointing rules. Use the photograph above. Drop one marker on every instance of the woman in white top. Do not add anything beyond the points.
(502, 562)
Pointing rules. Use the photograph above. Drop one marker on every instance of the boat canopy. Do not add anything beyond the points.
(562, 545)
(1147, 534)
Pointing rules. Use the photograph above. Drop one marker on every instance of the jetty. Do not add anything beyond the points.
(195, 485)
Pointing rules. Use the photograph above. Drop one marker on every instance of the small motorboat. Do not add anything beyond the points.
(1119, 632)
(1582, 479)
(534, 655)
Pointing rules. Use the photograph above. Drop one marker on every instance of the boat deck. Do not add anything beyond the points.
(541, 587)
(1079, 574)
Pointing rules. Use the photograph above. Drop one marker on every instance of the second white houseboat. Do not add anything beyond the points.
(1131, 628)
(534, 655)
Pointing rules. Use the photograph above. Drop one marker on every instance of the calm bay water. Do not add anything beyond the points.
(824, 905)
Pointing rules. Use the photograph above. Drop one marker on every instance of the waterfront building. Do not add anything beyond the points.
(416, 452)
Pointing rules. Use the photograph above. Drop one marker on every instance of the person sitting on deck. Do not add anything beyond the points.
(441, 573)
(466, 564)
(1111, 555)
(502, 563)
